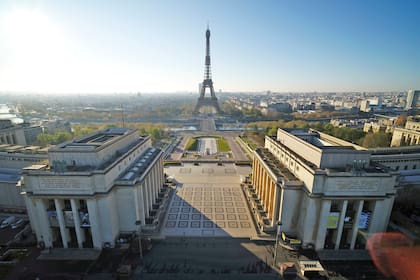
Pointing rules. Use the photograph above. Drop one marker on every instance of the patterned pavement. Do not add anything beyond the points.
(209, 209)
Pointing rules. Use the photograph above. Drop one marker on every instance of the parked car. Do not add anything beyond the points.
(18, 223)
(8, 221)
(291, 240)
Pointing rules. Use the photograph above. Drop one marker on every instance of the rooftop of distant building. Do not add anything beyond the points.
(8, 148)
(321, 140)
(94, 141)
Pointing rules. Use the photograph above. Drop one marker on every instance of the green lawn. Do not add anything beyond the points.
(222, 145)
(192, 145)
(250, 143)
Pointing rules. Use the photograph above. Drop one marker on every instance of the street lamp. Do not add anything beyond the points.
(138, 224)
(277, 243)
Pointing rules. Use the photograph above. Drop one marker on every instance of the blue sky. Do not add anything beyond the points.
(159, 46)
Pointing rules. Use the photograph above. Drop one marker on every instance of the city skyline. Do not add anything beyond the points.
(285, 46)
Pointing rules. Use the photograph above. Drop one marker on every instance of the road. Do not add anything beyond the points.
(237, 152)
(207, 124)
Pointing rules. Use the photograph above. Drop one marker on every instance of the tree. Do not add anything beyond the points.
(377, 140)
(401, 120)
(155, 134)
(272, 131)
(61, 137)
(254, 128)
(55, 138)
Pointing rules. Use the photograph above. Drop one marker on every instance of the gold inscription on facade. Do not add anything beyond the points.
(356, 185)
(57, 183)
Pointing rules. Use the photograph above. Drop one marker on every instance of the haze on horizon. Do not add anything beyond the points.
(158, 46)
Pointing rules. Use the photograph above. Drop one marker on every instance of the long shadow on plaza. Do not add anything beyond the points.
(207, 255)
(201, 241)
(31, 268)
(208, 209)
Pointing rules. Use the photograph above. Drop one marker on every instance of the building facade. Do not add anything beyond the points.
(12, 159)
(325, 194)
(20, 134)
(412, 98)
(407, 136)
(94, 189)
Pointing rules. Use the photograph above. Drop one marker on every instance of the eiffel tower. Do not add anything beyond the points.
(204, 101)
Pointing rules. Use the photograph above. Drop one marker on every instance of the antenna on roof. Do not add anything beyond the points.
(122, 115)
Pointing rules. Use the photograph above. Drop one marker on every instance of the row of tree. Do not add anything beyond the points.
(155, 130)
(353, 135)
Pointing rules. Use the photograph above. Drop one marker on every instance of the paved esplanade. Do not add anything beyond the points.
(209, 202)
(207, 145)
(207, 124)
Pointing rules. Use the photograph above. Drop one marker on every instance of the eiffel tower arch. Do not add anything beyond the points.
(204, 101)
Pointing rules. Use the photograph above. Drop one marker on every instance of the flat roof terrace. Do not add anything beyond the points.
(140, 166)
(95, 140)
(275, 165)
(322, 141)
(9, 148)
(302, 159)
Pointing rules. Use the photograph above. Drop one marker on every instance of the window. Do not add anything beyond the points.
(405, 167)
(51, 204)
(335, 205)
(414, 166)
(67, 204)
(397, 168)
(82, 204)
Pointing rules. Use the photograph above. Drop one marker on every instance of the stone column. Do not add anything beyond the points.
(65, 236)
(356, 224)
(268, 199)
(380, 215)
(95, 225)
(340, 224)
(280, 204)
(139, 202)
(260, 183)
(44, 226)
(145, 201)
(322, 224)
(80, 234)
(272, 198)
(254, 171)
(155, 183)
(276, 203)
(149, 191)
(265, 193)
(256, 178)
(160, 173)
(33, 215)
(151, 177)
(310, 219)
